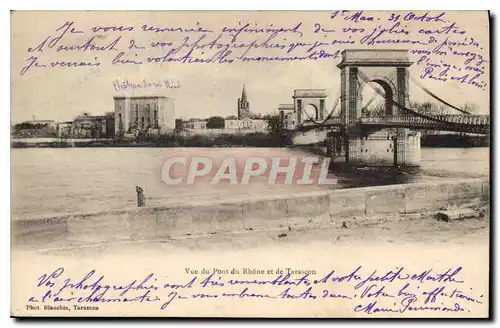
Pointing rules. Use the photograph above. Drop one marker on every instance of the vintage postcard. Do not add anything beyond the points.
(294, 164)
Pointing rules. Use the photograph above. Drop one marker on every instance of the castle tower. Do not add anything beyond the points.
(243, 105)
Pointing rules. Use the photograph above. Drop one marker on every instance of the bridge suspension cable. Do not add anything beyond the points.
(430, 93)
(401, 106)
(372, 99)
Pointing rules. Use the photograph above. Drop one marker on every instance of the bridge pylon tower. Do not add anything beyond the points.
(374, 146)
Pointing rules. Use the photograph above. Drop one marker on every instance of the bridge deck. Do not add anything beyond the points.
(458, 123)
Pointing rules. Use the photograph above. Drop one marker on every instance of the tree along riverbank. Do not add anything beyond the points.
(170, 140)
(258, 139)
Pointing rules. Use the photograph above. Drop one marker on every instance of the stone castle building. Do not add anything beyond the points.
(143, 114)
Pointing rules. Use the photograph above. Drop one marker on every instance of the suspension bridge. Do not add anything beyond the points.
(478, 124)
(388, 137)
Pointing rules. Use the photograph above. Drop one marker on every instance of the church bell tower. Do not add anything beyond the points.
(243, 105)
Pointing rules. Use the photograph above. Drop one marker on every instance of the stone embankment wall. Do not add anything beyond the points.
(260, 213)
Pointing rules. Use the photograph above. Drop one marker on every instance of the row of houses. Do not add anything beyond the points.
(131, 115)
(142, 115)
(83, 126)
(103, 126)
(88, 126)
(229, 124)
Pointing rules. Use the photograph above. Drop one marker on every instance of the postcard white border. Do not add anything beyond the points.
(493, 5)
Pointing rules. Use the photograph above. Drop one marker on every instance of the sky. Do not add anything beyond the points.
(204, 89)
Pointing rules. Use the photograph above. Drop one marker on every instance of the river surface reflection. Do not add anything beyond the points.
(54, 181)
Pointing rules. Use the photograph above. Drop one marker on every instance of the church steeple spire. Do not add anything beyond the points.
(243, 94)
(243, 105)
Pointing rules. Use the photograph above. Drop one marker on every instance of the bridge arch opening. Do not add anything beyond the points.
(377, 98)
(310, 112)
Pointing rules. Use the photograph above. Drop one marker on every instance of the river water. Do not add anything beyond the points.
(50, 181)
